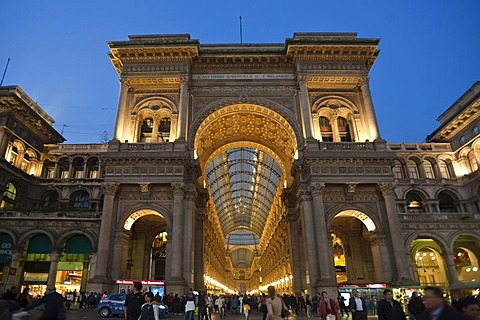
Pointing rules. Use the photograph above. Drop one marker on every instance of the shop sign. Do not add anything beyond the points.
(144, 282)
(6, 245)
(363, 286)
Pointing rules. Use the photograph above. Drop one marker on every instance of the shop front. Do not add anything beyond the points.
(155, 286)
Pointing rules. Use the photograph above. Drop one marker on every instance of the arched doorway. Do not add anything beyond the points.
(245, 152)
(356, 258)
(429, 262)
(142, 243)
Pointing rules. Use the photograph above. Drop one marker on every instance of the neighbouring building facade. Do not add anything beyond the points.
(238, 166)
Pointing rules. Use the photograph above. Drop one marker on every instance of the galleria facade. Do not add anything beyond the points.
(236, 166)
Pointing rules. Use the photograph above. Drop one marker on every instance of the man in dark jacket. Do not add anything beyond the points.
(54, 308)
(134, 302)
(437, 308)
(415, 306)
(358, 306)
(390, 309)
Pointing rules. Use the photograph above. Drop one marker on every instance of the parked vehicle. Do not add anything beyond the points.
(113, 304)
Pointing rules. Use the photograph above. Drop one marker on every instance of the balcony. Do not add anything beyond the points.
(438, 216)
(53, 215)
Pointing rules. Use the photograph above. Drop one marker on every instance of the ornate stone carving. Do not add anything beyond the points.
(317, 188)
(351, 187)
(110, 188)
(144, 187)
(387, 188)
(178, 188)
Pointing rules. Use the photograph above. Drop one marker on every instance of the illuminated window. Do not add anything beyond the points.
(344, 130)
(146, 130)
(415, 202)
(326, 129)
(444, 171)
(9, 196)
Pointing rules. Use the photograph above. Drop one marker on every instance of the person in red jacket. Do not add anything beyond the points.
(328, 307)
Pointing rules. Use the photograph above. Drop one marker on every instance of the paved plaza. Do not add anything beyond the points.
(78, 314)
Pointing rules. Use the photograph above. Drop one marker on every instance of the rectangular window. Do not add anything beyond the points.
(64, 174)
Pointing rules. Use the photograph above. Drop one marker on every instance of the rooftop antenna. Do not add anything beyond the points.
(63, 127)
(241, 36)
(4, 72)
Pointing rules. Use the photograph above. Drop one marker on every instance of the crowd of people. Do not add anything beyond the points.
(194, 305)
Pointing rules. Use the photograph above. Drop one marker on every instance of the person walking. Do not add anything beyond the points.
(328, 307)
(134, 302)
(357, 306)
(471, 309)
(275, 305)
(415, 306)
(390, 309)
(149, 310)
(54, 308)
(436, 306)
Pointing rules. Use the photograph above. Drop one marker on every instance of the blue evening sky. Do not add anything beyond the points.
(429, 50)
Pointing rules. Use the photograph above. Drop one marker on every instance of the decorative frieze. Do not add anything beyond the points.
(243, 90)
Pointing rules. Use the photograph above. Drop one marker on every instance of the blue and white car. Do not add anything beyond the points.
(113, 305)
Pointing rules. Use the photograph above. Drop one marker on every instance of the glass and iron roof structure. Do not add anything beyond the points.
(243, 183)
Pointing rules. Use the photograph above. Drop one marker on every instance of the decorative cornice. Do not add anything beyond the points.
(243, 89)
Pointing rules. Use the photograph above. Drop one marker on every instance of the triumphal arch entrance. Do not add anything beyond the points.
(235, 167)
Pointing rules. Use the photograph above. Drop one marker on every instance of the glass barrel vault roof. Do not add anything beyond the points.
(243, 183)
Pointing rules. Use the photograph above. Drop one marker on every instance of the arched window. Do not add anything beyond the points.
(9, 196)
(164, 129)
(64, 165)
(93, 164)
(325, 129)
(344, 130)
(78, 164)
(429, 173)
(25, 162)
(466, 264)
(415, 203)
(80, 199)
(51, 200)
(48, 169)
(398, 171)
(444, 170)
(472, 161)
(446, 202)
(159, 255)
(146, 130)
(413, 169)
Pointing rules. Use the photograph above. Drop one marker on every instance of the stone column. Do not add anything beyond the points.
(199, 271)
(52, 272)
(182, 111)
(381, 261)
(102, 270)
(296, 252)
(324, 247)
(310, 239)
(4, 140)
(188, 236)
(370, 111)
(13, 278)
(121, 111)
(305, 111)
(86, 264)
(400, 255)
(452, 275)
(121, 242)
(335, 132)
(177, 282)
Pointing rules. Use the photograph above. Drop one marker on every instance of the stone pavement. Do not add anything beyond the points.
(82, 314)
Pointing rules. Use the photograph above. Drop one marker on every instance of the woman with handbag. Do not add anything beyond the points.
(328, 308)
(276, 309)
